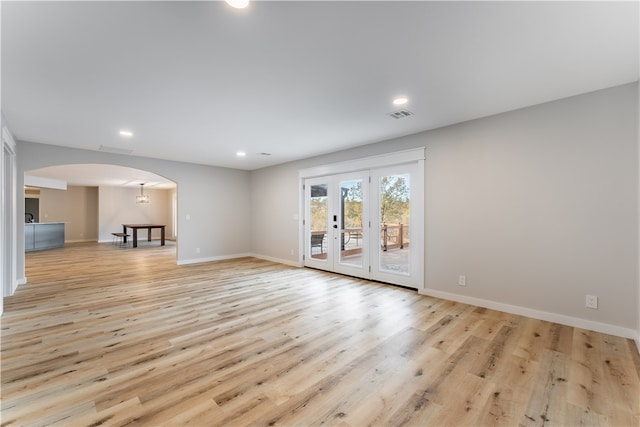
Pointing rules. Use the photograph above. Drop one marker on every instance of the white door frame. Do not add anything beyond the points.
(414, 278)
(416, 155)
(324, 263)
(332, 229)
(8, 247)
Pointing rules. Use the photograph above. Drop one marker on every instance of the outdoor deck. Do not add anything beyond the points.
(394, 245)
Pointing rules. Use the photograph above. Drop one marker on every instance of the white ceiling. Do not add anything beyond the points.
(198, 81)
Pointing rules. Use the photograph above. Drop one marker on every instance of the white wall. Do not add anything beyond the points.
(118, 206)
(537, 207)
(216, 199)
(274, 201)
(92, 213)
(76, 206)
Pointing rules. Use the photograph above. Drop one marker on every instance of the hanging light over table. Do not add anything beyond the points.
(142, 198)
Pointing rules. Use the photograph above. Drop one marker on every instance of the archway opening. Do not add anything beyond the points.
(95, 200)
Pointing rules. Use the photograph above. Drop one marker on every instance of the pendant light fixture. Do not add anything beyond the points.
(142, 198)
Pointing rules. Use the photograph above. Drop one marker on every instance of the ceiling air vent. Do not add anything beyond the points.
(400, 114)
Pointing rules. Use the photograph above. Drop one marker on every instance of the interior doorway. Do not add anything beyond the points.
(94, 200)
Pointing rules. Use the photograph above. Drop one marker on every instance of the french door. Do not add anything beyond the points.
(335, 236)
(367, 224)
(398, 220)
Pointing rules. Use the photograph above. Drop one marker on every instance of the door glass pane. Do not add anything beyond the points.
(319, 210)
(351, 222)
(394, 224)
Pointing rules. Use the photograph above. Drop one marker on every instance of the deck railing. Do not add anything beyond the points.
(392, 236)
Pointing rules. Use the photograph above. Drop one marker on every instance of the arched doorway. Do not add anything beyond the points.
(94, 200)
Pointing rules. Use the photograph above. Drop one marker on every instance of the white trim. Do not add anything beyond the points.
(371, 165)
(8, 137)
(278, 260)
(575, 322)
(22, 281)
(2, 222)
(8, 222)
(37, 181)
(414, 278)
(637, 337)
(301, 211)
(245, 255)
(422, 224)
(215, 258)
(379, 161)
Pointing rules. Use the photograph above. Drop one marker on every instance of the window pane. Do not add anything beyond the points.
(319, 215)
(351, 222)
(394, 224)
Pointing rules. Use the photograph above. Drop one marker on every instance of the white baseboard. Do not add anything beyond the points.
(575, 322)
(18, 282)
(209, 259)
(278, 260)
(233, 256)
(508, 308)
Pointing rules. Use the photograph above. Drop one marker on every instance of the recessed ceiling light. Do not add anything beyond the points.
(401, 100)
(126, 133)
(238, 4)
(241, 154)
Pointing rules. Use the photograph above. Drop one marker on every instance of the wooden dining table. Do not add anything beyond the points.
(148, 227)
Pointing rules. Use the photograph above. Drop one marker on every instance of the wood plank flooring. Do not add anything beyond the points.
(103, 335)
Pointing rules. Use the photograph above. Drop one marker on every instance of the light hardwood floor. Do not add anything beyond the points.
(117, 336)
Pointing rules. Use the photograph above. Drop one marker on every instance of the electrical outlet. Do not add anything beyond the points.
(592, 302)
(291, 252)
(462, 280)
(197, 250)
